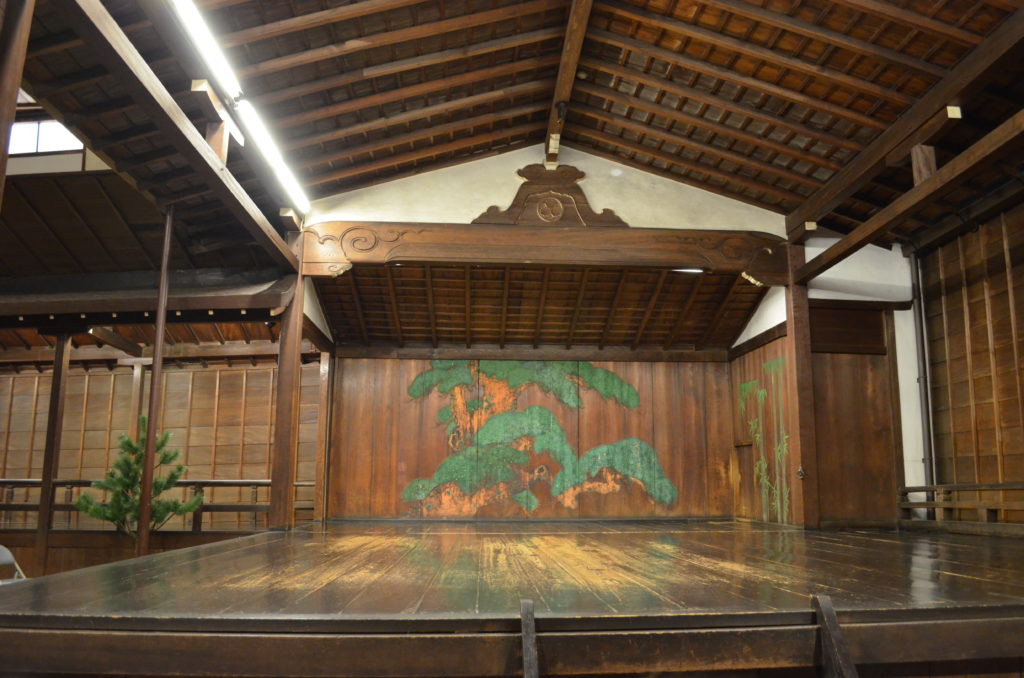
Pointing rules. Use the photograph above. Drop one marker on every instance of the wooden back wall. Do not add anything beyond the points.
(661, 449)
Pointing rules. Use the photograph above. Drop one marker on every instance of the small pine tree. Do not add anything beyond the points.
(124, 482)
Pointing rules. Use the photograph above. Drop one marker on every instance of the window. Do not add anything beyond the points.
(47, 136)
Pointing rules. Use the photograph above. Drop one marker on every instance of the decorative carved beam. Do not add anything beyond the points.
(334, 244)
(970, 73)
(95, 25)
(575, 32)
(1002, 140)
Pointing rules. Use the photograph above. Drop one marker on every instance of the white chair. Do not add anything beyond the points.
(7, 560)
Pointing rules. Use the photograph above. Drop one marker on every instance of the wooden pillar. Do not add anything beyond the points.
(286, 413)
(799, 380)
(155, 392)
(135, 401)
(15, 23)
(323, 434)
(51, 453)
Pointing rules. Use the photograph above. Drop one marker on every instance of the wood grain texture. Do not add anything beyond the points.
(974, 302)
(384, 439)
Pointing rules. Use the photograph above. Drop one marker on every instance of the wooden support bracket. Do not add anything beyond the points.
(529, 626)
(835, 660)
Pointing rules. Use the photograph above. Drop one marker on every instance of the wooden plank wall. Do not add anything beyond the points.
(974, 298)
(219, 417)
(856, 423)
(384, 439)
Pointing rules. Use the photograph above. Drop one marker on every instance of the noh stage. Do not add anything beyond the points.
(444, 598)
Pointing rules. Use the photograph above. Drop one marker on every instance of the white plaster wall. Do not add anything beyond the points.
(313, 310)
(770, 313)
(53, 163)
(461, 193)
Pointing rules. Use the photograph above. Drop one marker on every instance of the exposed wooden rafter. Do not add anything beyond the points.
(1002, 140)
(970, 74)
(576, 30)
(92, 21)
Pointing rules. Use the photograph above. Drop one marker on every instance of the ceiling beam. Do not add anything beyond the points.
(95, 25)
(316, 336)
(727, 105)
(827, 36)
(425, 152)
(698, 146)
(349, 153)
(304, 22)
(690, 165)
(679, 117)
(421, 89)
(970, 73)
(425, 30)
(402, 65)
(110, 337)
(707, 68)
(575, 32)
(755, 51)
(444, 108)
(760, 255)
(171, 352)
(913, 20)
(649, 310)
(1003, 140)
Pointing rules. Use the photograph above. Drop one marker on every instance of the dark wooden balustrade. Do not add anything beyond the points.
(254, 506)
(991, 508)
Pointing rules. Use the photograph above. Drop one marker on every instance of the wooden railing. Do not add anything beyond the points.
(962, 503)
(254, 506)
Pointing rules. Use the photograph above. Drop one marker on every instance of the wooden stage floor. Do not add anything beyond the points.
(429, 577)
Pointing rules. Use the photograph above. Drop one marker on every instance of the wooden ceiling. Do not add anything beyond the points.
(431, 305)
(760, 100)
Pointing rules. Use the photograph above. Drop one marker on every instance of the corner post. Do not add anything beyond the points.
(286, 414)
(155, 393)
(799, 380)
(51, 453)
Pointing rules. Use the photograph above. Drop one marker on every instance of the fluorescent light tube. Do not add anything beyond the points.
(220, 70)
(258, 133)
(687, 270)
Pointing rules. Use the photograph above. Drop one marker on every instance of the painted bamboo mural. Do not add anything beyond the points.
(499, 452)
(759, 398)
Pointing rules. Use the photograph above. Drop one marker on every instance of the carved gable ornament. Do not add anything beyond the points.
(550, 198)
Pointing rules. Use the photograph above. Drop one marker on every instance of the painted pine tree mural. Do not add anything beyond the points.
(755, 402)
(493, 443)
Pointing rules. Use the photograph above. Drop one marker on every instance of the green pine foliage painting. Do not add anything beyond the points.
(757, 401)
(494, 446)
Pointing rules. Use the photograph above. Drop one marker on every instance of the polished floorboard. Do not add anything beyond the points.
(395, 570)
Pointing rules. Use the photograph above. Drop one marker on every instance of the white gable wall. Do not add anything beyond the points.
(459, 194)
